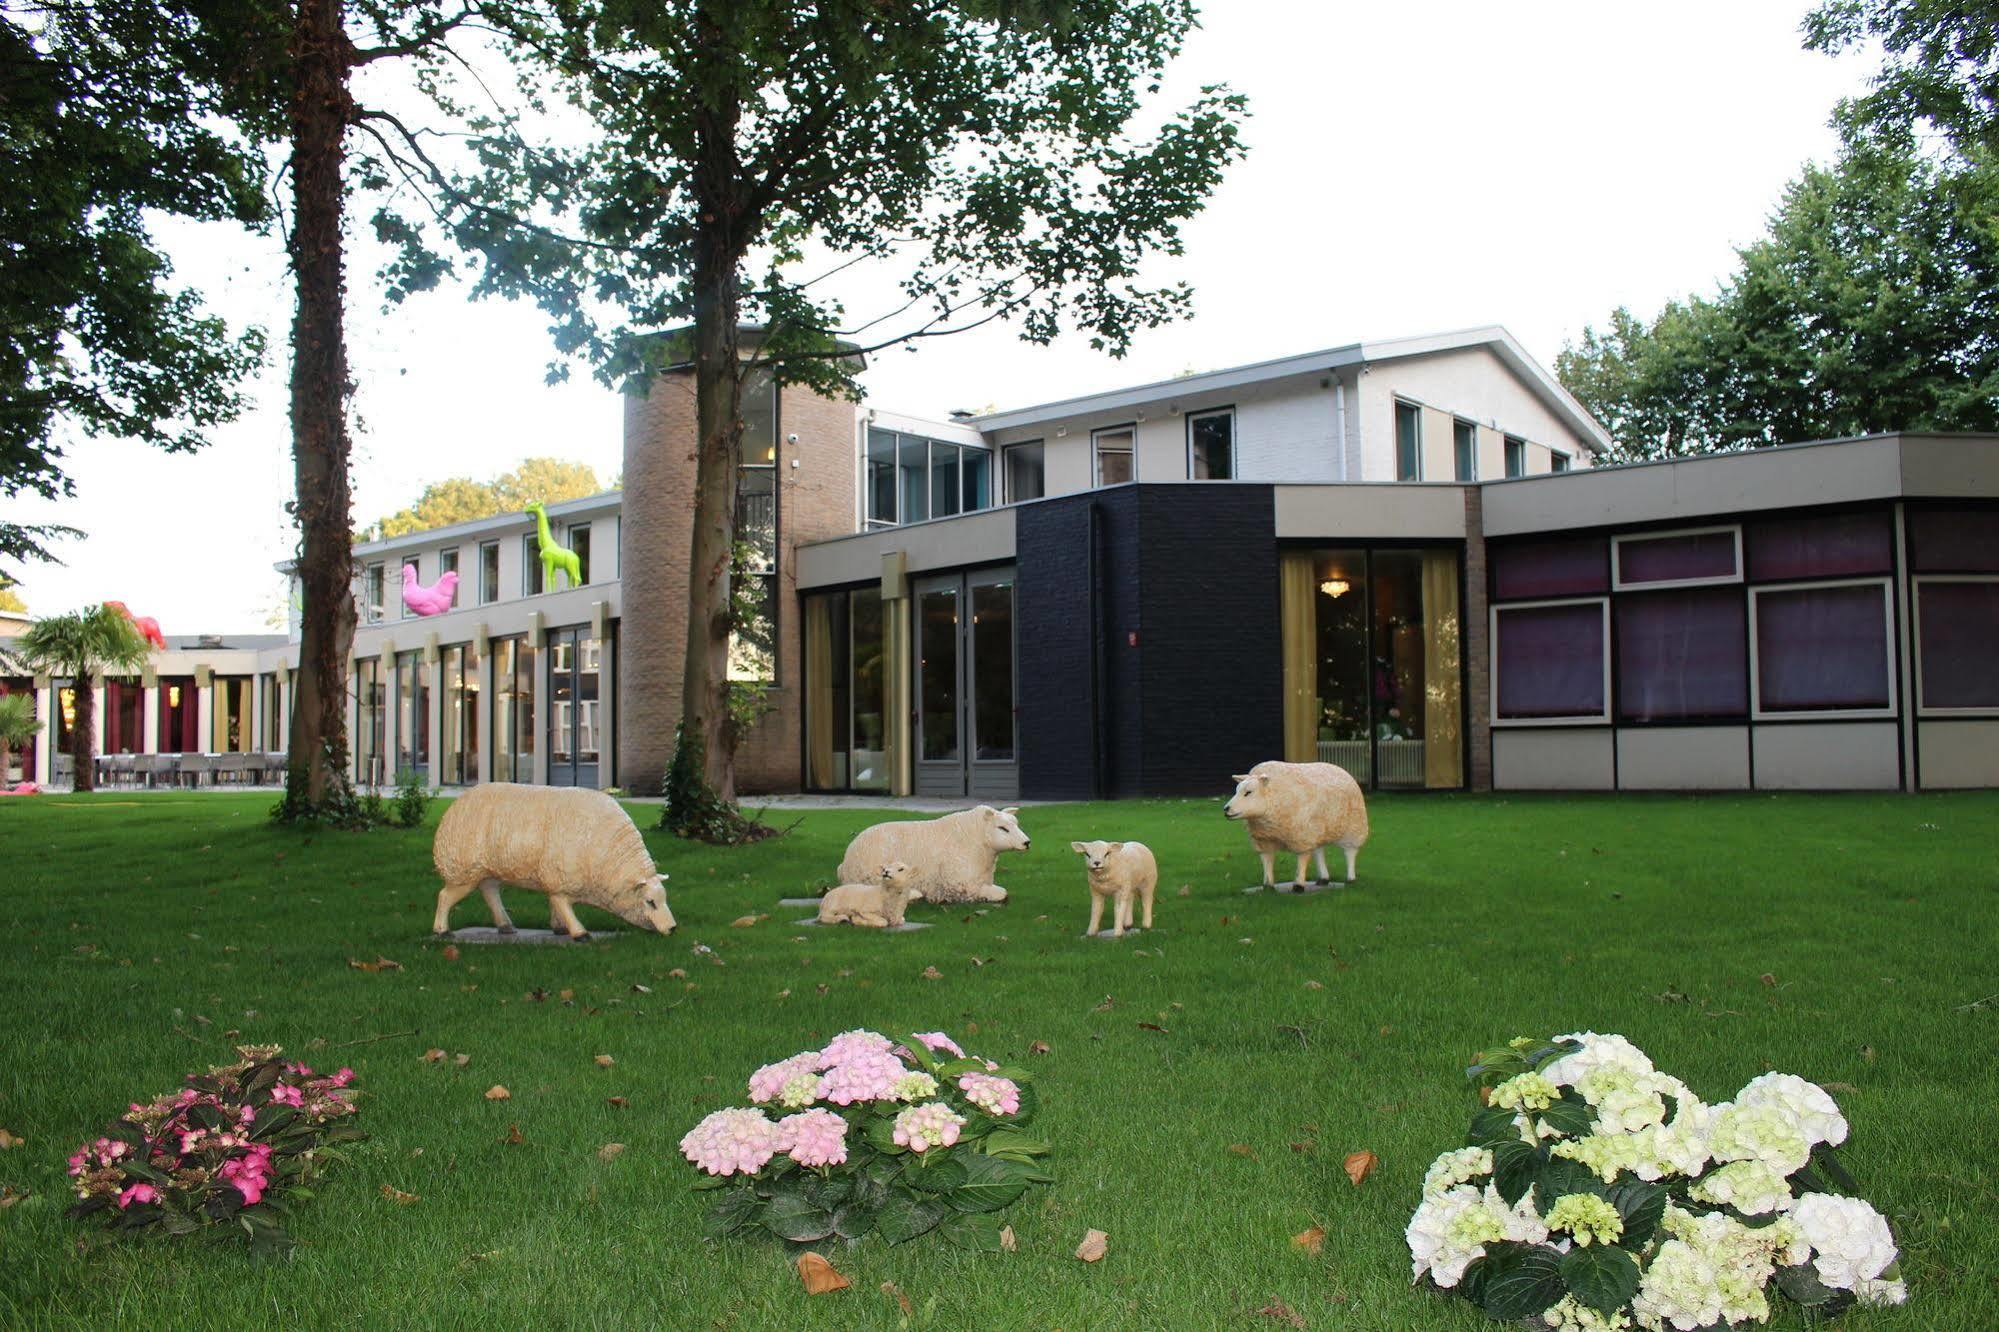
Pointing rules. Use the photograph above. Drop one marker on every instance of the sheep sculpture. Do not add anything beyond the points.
(1301, 808)
(1119, 871)
(878, 906)
(951, 859)
(573, 844)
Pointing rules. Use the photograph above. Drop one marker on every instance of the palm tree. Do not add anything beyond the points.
(18, 726)
(78, 646)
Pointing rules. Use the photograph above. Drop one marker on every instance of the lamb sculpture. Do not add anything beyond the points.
(951, 859)
(1302, 808)
(1120, 871)
(877, 906)
(576, 845)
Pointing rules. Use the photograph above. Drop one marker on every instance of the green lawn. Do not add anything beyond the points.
(1201, 1090)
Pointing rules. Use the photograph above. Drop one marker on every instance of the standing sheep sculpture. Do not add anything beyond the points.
(573, 844)
(876, 906)
(1120, 871)
(1302, 808)
(951, 859)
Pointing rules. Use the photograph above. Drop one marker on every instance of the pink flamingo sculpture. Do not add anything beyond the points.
(433, 600)
(148, 627)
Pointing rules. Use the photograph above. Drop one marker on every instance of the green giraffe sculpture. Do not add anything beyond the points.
(553, 557)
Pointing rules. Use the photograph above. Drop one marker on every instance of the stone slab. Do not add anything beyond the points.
(487, 934)
(1283, 889)
(903, 928)
(812, 902)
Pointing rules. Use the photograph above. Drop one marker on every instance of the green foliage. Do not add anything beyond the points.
(1516, 1281)
(412, 799)
(81, 643)
(18, 723)
(10, 600)
(1602, 1276)
(1939, 67)
(460, 499)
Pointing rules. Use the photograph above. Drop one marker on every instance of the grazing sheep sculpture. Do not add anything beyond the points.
(878, 906)
(1120, 871)
(1302, 808)
(575, 845)
(951, 859)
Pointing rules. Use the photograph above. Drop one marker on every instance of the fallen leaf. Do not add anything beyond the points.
(1008, 1241)
(566, 995)
(743, 923)
(1314, 985)
(1310, 1241)
(971, 1028)
(431, 1056)
(785, 993)
(1245, 940)
(605, 1061)
(818, 1275)
(461, 1060)
(1360, 1165)
(1307, 1147)
(1040, 1047)
(9, 1195)
(1769, 979)
(535, 996)
(1152, 1026)
(396, 1195)
(1282, 1312)
(379, 964)
(496, 1092)
(932, 973)
(980, 961)
(1186, 890)
(451, 952)
(1242, 1149)
(1106, 1006)
(513, 1138)
(890, 1288)
(1095, 1244)
(8, 1140)
(616, 1102)
(609, 1151)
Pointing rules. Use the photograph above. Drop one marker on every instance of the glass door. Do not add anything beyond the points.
(573, 661)
(965, 687)
(940, 752)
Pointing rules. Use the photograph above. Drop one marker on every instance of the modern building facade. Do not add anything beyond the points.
(1394, 556)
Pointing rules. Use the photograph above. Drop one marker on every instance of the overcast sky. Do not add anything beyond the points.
(1411, 168)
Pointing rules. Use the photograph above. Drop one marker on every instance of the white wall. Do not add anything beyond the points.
(1473, 385)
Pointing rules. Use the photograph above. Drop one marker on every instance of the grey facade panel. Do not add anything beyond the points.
(1828, 756)
(1571, 758)
(1683, 758)
(1955, 754)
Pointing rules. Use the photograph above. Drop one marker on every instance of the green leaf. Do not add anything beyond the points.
(1492, 1125)
(1012, 1142)
(731, 1212)
(1515, 1166)
(1802, 1284)
(1489, 1068)
(990, 1183)
(951, 1070)
(1642, 1206)
(881, 1136)
(902, 1218)
(1602, 1276)
(854, 1220)
(827, 1192)
(1520, 1280)
(1830, 1166)
(1571, 1116)
(947, 1174)
(791, 1217)
(1559, 1175)
(706, 1181)
(978, 1231)
(921, 1053)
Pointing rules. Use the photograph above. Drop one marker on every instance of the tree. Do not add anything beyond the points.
(985, 149)
(18, 726)
(10, 600)
(110, 116)
(1940, 67)
(460, 499)
(80, 646)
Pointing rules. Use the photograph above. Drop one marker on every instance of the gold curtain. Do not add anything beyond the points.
(902, 771)
(819, 693)
(1443, 701)
(1297, 617)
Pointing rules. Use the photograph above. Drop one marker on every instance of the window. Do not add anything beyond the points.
(513, 710)
(992, 671)
(1408, 442)
(412, 715)
(1540, 570)
(1682, 655)
(531, 565)
(459, 739)
(1957, 640)
(1954, 540)
(489, 572)
(447, 562)
(1464, 449)
(579, 541)
(369, 721)
(1677, 559)
(1782, 549)
(1516, 456)
(976, 469)
(1557, 461)
(881, 482)
(1823, 647)
(371, 594)
(1551, 662)
(910, 479)
(944, 483)
(753, 646)
(1023, 471)
(412, 571)
(274, 713)
(1113, 455)
(1211, 445)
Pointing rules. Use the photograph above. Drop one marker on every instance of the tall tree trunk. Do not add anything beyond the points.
(704, 685)
(316, 777)
(83, 736)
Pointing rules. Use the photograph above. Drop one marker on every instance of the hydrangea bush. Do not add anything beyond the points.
(225, 1151)
(868, 1136)
(1597, 1194)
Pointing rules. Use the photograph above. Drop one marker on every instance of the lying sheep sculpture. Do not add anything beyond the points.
(1119, 871)
(1302, 808)
(573, 844)
(875, 906)
(951, 859)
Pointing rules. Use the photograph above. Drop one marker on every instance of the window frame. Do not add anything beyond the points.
(1464, 434)
(1916, 582)
(569, 538)
(1558, 461)
(1885, 582)
(1006, 470)
(403, 611)
(1130, 430)
(484, 546)
(1601, 601)
(1617, 541)
(448, 560)
(1415, 411)
(1234, 470)
(1515, 452)
(374, 592)
(531, 564)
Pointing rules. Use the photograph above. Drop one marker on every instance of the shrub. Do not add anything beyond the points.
(412, 800)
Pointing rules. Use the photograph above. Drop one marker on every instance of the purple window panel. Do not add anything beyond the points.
(1675, 558)
(1822, 648)
(1954, 540)
(1960, 644)
(1682, 656)
(1847, 543)
(1531, 571)
(1550, 661)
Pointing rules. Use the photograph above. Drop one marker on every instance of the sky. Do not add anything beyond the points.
(1411, 168)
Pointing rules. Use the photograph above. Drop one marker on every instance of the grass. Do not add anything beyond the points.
(1201, 1091)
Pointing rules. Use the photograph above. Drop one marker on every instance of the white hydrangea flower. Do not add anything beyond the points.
(1678, 1290)
(1597, 1052)
(1715, 1270)
(1851, 1242)
(1750, 1187)
(1528, 1091)
(1871, 1292)
(1624, 1101)
(1450, 1231)
(1454, 1168)
(1569, 1315)
(1810, 1105)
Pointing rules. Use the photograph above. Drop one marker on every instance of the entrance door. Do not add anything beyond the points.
(966, 731)
(573, 661)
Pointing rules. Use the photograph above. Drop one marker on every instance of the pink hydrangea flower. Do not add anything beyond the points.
(996, 1096)
(249, 1173)
(852, 1045)
(138, 1193)
(866, 1077)
(922, 1127)
(767, 1083)
(814, 1138)
(286, 1095)
(343, 1077)
(731, 1140)
(937, 1040)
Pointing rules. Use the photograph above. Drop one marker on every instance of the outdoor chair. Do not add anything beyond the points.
(120, 769)
(192, 768)
(235, 768)
(153, 769)
(62, 770)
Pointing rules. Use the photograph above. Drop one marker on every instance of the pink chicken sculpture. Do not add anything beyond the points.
(148, 627)
(433, 600)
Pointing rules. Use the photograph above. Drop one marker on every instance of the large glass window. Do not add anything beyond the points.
(274, 713)
(881, 487)
(531, 570)
(371, 593)
(575, 737)
(124, 726)
(230, 716)
(1408, 442)
(1682, 655)
(513, 710)
(180, 715)
(1516, 456)
(868, 631)
(1024, 480)
(1113, 455)
(447, 563)
(1823, 647)
(1550, 662)
(937, 647)
(1678, 559)
(913, 465)
(370, 717)
(460, 739)
(489, 572)
(1954, 540)
(412, 715)
(992, 670)
(579, 542)
(753, 645)
(975, 467)
(1779, 549)
(1957, 643)
(911, 478)
(1464, 450)
(1211, 445)
(1542, 570)
(411, 569)
(944, 480)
